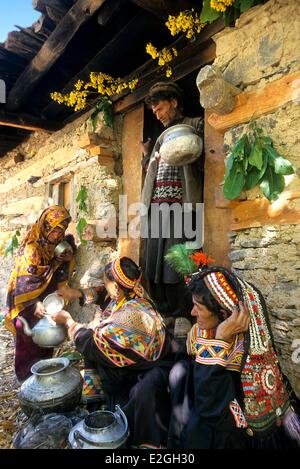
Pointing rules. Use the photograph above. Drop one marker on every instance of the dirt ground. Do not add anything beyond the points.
(12, 418)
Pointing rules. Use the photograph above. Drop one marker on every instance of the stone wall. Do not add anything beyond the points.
(263, 47)
(91, 157)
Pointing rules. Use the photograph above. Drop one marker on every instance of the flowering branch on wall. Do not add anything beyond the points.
(187, 22)
(165, 56)
(191, 23)
(100, 84)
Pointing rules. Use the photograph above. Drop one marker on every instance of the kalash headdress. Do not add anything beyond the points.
(267, 394)
(122, 279)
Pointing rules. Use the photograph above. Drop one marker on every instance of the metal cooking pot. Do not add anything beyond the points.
(180, 145)
(54, 386)
(100, 430)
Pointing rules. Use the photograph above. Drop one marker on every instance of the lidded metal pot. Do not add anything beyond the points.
(54, 386)
(100, 430)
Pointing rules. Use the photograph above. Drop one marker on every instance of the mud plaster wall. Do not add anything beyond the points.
(44, 155)
(264, 47)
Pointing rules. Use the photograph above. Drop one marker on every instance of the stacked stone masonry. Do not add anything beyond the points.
(264, 47)
(46, 156)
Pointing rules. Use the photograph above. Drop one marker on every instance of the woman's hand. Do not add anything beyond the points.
(39, 310)
(63, 317)
(97, 320)
(69, 294)
(238, 322)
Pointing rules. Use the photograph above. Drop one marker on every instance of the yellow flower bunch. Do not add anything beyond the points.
(164, 56)
(187, 22)
(76, 99)
(100, 83)
(221, 5)
(106, 85)
(151, 50)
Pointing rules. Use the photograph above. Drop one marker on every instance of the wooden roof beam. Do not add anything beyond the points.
(54, 9)
(192, 57)
(163, 8)
(27, 123)
(108, 10)
(50, 52)
(116, 47)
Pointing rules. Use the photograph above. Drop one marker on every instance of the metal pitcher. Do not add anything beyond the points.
(100, 430)
(45, 333)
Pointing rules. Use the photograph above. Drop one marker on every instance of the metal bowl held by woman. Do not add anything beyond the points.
(180, 145)
(54, 386)
(53, 303)
(100, 430)
(62, 248)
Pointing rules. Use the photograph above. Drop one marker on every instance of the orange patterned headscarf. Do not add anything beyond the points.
(35, 263)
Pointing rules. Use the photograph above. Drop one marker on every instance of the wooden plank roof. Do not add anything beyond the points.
(70, 39)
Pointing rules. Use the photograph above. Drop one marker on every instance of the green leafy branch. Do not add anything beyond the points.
(12, 244)
(81, 198)
(104, 105)
(255, 162)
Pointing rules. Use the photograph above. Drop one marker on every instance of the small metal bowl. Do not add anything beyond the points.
(62, 248)
(53, 303)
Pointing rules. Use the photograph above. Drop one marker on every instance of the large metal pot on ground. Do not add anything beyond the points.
(54, 386)
(100, 430)
(180, 145)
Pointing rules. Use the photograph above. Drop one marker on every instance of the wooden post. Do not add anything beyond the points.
(132, 172)
(216, 220)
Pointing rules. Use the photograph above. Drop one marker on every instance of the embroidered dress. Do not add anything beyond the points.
(231, 395)
(133, 332)
(207, 350)
(127, 359)
(168, 185)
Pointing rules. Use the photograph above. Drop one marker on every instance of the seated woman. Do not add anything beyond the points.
(231, 394)
(37, 273)
(130, 349)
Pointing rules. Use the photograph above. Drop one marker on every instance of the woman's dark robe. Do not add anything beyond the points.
(201, 417)
(141, 388)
